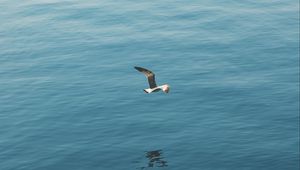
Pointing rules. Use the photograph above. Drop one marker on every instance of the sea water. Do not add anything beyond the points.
(70, 98)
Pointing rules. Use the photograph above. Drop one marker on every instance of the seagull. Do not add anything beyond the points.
(151, 79)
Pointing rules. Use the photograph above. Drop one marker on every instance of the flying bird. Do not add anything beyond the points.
(151, 80)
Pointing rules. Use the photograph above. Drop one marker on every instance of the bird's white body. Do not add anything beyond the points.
(164, 88)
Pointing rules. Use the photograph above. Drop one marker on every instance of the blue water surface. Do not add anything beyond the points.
(70, 98)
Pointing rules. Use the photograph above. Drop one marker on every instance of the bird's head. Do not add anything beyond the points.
(166, 88)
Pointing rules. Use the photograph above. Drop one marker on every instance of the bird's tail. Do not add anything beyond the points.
(147, 90)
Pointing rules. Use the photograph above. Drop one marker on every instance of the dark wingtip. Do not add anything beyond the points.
(138, 68)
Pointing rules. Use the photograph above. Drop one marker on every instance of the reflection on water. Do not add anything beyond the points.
(155, 159)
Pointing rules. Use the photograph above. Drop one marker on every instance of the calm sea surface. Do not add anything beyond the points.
(70, 98)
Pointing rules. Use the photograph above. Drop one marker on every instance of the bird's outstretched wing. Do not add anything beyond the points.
(149, 74)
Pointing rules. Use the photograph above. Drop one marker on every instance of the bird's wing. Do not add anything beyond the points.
(149, 74)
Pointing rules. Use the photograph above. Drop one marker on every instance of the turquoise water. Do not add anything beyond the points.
(70, 98)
